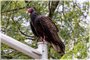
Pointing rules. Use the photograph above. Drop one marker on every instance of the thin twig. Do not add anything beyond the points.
(13, 9)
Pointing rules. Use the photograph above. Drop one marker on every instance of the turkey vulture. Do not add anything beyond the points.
(44, 28)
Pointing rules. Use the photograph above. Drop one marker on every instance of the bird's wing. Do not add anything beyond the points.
(46, 22)
(33, 29)
(46, 26)
(53, 24)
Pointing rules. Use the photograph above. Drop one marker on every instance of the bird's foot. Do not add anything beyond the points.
(43, 39)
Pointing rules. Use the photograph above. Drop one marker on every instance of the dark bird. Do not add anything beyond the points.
(44, 28)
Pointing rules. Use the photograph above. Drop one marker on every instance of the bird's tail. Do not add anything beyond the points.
(56, 42)
(59, 47)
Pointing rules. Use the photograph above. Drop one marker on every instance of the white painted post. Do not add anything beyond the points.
(20, 46)
(42, 47)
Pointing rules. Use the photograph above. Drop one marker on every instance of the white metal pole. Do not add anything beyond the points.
(20, 46)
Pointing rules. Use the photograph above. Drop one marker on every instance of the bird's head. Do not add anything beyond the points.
(30, 10)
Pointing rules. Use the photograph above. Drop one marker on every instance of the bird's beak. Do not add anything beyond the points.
(27, 13)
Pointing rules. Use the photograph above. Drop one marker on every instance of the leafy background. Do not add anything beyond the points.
(71, 17)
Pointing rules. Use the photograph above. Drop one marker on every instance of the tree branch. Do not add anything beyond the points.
(14, 9)
(52, 6)
(18, 27)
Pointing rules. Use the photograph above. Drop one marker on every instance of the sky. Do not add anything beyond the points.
(81, 1)
(88, 17)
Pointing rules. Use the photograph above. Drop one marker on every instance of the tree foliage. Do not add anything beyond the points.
(69, 16)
